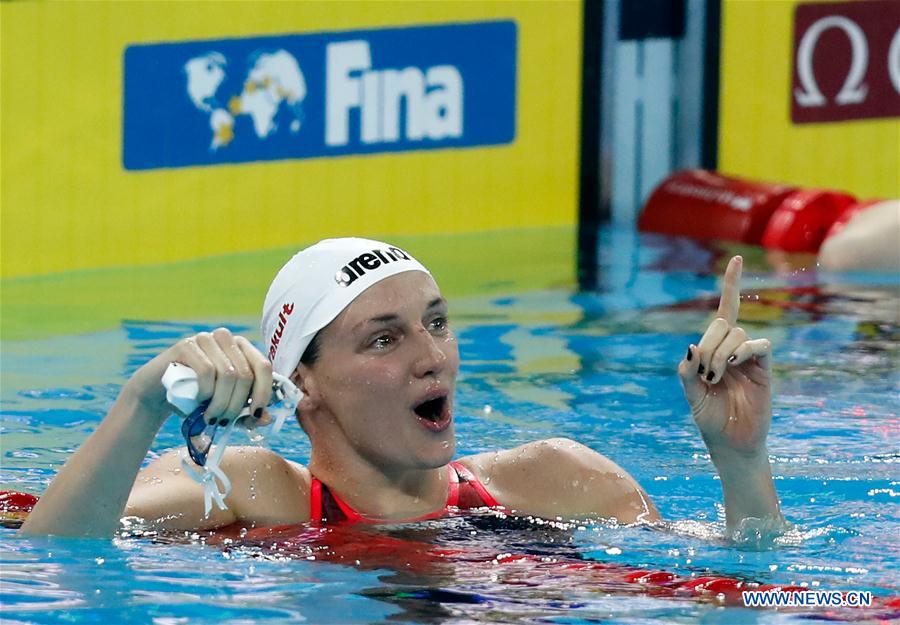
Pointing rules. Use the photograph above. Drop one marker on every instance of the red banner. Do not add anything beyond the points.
(846, 61)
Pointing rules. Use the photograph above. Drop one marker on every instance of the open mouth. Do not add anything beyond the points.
(434, 413)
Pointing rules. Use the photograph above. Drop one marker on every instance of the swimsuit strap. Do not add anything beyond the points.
(464, 492)
(452, 490)
(482, 498)
(326, 507)
(315, 499)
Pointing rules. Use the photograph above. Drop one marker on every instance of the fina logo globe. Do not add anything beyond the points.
(273, 80)
(319, 95)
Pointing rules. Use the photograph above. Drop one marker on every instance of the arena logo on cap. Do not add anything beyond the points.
(368, 261)
(286, 310)
(318, 95)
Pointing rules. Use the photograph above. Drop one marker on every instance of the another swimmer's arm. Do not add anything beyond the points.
(727, 382)
(88, 495)
(559, 477)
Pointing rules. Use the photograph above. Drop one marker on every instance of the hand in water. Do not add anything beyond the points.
(727, 380)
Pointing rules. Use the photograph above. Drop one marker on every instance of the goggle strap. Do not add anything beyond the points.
(292, 397)
(216, 485)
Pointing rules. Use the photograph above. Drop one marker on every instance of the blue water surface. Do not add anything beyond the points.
(597, 367)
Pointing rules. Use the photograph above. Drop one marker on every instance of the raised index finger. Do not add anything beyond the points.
(730, 302)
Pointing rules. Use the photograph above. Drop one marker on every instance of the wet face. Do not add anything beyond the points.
(386, 373)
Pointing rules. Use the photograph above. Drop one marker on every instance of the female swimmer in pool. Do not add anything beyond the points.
(361, 328)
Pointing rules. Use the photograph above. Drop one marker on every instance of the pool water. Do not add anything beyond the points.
(596, 367)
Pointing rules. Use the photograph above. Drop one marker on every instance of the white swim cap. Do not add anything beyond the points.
(314, 287)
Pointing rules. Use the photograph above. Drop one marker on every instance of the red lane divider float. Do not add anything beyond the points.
(15, 506)
(365, 549)
(803, 219)
(706, 205)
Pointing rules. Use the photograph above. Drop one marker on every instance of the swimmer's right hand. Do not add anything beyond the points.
(229, 370)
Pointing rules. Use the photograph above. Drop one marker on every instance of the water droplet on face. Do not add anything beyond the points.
(445, 444)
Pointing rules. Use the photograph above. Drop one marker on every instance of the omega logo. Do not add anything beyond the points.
(854, 90)
(894, 61)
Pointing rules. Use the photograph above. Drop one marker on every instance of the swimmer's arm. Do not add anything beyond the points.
(88, 494)
(266, 490)
(727, 381)
(562, 478)
(751, 504)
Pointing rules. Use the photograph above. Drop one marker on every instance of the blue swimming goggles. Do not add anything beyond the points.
(181, 391)
(284, 400)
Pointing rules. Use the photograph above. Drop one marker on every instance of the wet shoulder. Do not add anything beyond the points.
(552, 477)
(518, 475)
(268, 488)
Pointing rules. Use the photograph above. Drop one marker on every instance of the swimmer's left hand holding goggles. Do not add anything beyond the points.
(182, 389)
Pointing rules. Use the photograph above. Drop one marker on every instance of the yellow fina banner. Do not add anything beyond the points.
(140, 133)
(757, 137)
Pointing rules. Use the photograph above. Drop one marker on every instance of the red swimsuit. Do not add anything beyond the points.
(465, 493)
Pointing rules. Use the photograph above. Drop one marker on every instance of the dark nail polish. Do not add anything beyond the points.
(732, 358)
(223, 422)
(257, 413)
(702, 369)
(690, 355)
(213, 421)
(710, 375)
